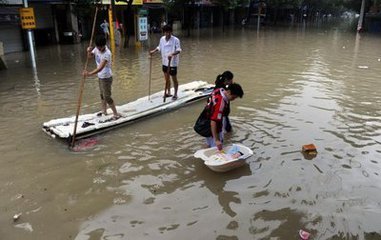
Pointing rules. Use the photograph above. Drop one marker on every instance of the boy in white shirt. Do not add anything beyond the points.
(103, 60)
(169, 46)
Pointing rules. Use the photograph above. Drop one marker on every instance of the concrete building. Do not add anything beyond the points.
(55, 23)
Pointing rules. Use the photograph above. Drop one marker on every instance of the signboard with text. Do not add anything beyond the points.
(143, 28)
(27, 18)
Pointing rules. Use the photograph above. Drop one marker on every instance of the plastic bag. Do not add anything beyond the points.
(202, 125)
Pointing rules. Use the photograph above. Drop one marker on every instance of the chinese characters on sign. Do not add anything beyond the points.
(27, 18)
(143, 31)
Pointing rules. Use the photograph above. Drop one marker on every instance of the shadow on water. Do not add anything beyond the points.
(216, 182)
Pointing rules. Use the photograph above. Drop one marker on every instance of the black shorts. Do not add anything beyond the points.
(172, 70)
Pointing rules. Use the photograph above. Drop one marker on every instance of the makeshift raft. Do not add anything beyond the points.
(91, 124)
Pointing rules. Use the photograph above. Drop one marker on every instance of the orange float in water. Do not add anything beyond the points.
(309, 148)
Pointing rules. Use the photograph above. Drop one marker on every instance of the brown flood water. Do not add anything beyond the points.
(142, 181)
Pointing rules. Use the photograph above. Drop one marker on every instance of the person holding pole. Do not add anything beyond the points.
(103, 60)
(169, 46)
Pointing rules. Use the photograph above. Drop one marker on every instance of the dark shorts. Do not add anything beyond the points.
(172, 70)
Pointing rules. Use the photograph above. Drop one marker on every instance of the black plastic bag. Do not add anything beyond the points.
(202, 125)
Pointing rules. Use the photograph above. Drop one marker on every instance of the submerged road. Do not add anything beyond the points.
(301, 86)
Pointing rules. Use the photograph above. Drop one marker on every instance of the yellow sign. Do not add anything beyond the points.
(152, 1)
(135, 2)
(27, 18)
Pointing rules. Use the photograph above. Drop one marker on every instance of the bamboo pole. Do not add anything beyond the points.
(83, 81)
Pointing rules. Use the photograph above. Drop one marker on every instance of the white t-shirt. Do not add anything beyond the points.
(168, 47)
(99, 57)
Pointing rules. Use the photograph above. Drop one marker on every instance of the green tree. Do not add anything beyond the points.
(84, 8)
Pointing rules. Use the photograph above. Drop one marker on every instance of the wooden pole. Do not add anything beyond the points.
(167, 83)
(361, 18)
(150, 77)
(83, 80)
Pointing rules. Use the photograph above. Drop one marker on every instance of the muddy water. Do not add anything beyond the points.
(142, 181)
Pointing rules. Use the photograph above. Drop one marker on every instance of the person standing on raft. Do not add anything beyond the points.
(103, 60)
(169, 46)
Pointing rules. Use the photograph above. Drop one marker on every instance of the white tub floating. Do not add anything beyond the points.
(230, 157)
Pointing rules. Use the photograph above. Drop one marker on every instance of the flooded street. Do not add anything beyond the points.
(141, 181)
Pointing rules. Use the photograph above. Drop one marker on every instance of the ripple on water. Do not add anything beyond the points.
(298, 90)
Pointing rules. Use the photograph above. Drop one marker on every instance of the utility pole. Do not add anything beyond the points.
(30, 40)
(112, 25)
(361, 18)
(259, 16)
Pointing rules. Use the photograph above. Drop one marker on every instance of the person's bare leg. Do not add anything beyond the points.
(175, 85)
(167, 84)
(104, 107)
(114, 111)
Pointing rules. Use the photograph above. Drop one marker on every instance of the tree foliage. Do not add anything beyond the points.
(327, 5)
(229, 4)
(84, 7)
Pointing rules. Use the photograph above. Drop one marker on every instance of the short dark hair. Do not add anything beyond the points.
(235, 89)
(220, 82)
(228, 75)
(222, 78)
(167, 28)
(100, 40)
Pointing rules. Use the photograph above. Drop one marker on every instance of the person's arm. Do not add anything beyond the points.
(105, 59)
(173, 54)
(177, 49)
(215, 134)
(90, 52)
(156, 49)
(216, 119)
(98, 69)
(153, 51)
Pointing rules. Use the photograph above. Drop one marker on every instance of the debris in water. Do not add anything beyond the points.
(85, 144)
(304, 235)
(309, 148)
(16, 217)
(309, 151)
(363, 67)
(25, 226)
